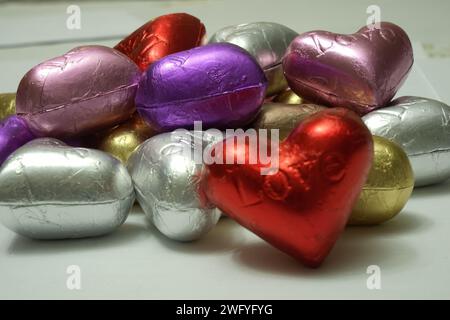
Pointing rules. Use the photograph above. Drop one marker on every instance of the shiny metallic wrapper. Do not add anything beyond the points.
(14, 133)
(388, 186)
(219, 84)
(122, 140)
(284, 117)
(167, 179)
(360, 71)
(162, 36)
(303, 206)
(289, 97)
(267, 42)
(7, 105)
(87, 89)
(49, 190)
(422, 127)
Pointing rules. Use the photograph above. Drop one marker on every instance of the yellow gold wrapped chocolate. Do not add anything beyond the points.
(125, 138)
(7, 104)
(388, 186)
(289, 97)
(284, 117)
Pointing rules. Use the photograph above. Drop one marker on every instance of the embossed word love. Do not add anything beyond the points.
(303, 208)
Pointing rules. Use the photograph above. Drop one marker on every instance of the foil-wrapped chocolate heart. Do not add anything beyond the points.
(361, 71)
(85, 90)
(162, 36)
(302, 207)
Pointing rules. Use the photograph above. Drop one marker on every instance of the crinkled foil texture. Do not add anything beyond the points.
(49, 190)
(14, 133)
(302, 207)
(160, 37)
(167, 181)
(266, 42)
(123, 140)
(218, 84)
(87, 89)
(388, 186)
(421, 126)
(283, 117)
(361, 71)
(7, 105)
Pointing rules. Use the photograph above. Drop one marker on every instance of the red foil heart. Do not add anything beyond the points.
(304, 207)
(163, 36)
(361, 71)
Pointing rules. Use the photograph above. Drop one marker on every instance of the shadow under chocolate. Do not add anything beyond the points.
(225, 236)
(122, 237)
(358, 248)
(438, 189)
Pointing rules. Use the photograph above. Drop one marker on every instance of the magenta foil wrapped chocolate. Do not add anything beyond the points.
(360, 71)
(221, 85)
(87, 89)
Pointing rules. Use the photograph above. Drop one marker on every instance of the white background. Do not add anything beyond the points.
(412, 250)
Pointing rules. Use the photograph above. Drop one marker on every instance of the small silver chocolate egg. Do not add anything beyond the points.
(266, 42)
(167, 176)
(49, 190)
(422, 127)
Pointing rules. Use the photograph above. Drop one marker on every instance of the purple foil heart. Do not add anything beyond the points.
(219, 84)
(84, 90)
(361, 71)
(14, 133)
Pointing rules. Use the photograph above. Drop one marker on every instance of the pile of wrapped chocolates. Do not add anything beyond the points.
(90, 131)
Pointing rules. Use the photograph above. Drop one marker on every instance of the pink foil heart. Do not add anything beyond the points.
(361, 71)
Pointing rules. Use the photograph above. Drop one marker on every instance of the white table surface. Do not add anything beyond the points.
(412, 250)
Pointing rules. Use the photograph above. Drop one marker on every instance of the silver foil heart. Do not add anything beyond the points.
(167, 177)
(422, 127)
(49, 190)
(266, 42)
